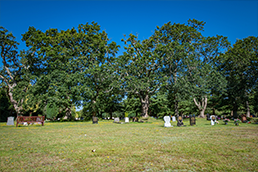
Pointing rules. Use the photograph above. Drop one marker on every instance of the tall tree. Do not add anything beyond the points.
(240, 66)
(55, 70)
(177, 39)
(140, 69)
(73, 65)
(13, 72)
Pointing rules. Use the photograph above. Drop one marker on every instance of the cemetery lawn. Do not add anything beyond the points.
(67, 146)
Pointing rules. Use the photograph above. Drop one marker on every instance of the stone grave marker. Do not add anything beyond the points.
(213, 119)
(167, 121)
(116, 120)
(192, 120)
(173, 118)
(94, 120)
(208, 117)
(243, 118)
(126, 119)
(180, 121)
(10, 120)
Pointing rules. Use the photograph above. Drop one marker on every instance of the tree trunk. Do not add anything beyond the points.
(16, 106)
(93, 108)
(201, 106)
(176, 107)
(145, 106)
(111, 112)
(175, 81)
(68, 113)
(213, 111)
(248, 109)
(235, 108)
(202, 113)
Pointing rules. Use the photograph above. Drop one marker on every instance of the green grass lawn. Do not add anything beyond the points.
(67, 146)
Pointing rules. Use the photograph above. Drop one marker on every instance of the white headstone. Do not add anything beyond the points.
(173, 118)
(213, 119)
(10, 120)
(126, 119)
(116, 120)
(167, 121)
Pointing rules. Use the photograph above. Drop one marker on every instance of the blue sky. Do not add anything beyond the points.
(234, 19)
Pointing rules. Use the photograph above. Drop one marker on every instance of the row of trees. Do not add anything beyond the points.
(172, 71)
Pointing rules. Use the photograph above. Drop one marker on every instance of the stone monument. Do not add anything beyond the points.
(10, 120)
(243, 118)
(116, 120)
(95, 120)
(208, 117)
(126, 119)
(180, 121)
(192, 120)
(213, 119)
(167, 121)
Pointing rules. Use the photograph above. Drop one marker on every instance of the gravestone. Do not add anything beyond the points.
(192, 120)
(10, 120)
(243, 118)
(213, 119)
(126, 119)
(180, 121)
(208, 117)
(167, 121)
(135, 119)
(173, 118)
(116, 120)
(94, 120)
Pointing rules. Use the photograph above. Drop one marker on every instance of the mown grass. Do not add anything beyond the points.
(67, 146)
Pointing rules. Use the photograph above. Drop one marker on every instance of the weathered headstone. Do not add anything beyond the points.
(94, 120)
(135, 119)
(126, 119)
(192, 120)
(173, 118)
(180, 121)
(208, 117)
(10, 120)
(116, 120)
(213, 119)
(243, 118)
(167, 121)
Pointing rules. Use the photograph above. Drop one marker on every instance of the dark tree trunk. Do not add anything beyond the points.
(247, 109)
(213, 111)
(235, 108)
(176, 107)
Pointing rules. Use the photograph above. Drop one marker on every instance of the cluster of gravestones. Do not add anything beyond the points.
(10, 120)
(179, 121)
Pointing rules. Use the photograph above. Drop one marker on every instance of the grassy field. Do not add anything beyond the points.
(67, 146)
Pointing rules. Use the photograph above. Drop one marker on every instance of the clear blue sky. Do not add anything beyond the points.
(234, 19)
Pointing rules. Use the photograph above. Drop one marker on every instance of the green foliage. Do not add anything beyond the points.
(239, 65)
(51, 112)
(86, 113)
(160, 75)
(6, 107)
(14, 71)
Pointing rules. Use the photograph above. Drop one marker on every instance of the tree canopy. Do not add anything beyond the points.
(175, 71)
